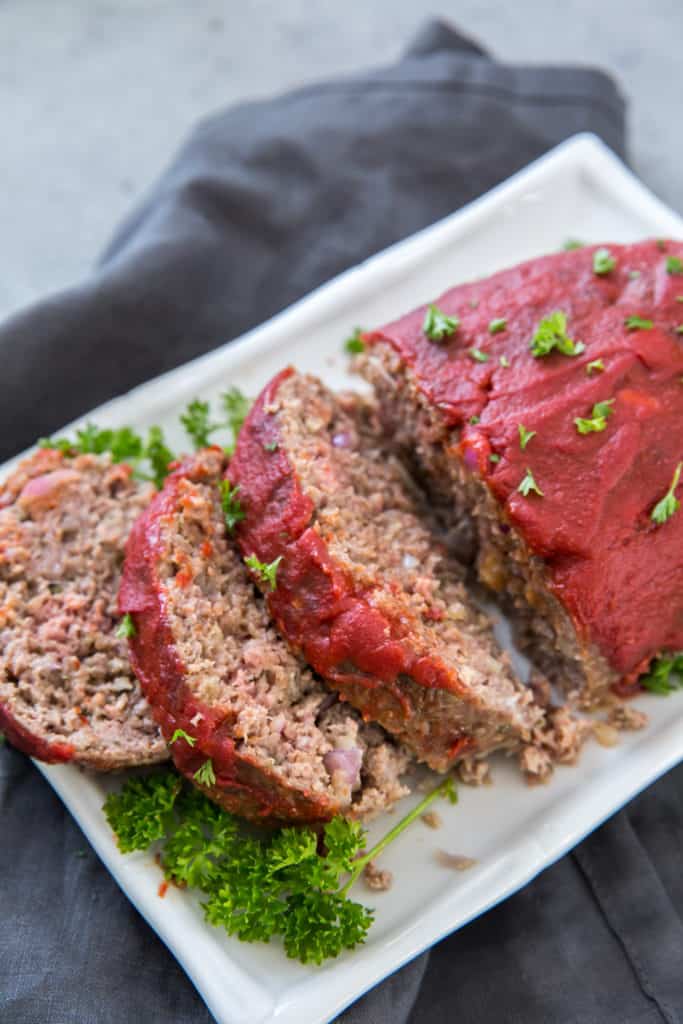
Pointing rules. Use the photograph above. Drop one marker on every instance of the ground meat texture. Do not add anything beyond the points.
(282, 747)
(67, 691)
(363, 587)
(584, 567)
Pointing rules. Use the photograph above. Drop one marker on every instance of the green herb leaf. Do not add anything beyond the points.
(205, 775)
(236, 407)
(498, 324)
(271, 446)
(504, 361)
(437, 326)
(636, 323)
(674, 265)
(598, 418)
(524, 435)
(180, 734)
(572, 243)
(603, 262)
(669, 504)
(679, 329)
(232, 508)
(528, 485)
(266, 572)
(197, 423)
(140, 813)
(494, 458)
(159, 456)
(595, 366)
(257, 888)
(478, 355)
(355, 344)
(126, 627)
(665, 675)
(474, 420)
(551, 334)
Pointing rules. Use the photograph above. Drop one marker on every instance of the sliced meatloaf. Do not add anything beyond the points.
(337, 536)
(252, 725)
(67, 692)
(544, 406)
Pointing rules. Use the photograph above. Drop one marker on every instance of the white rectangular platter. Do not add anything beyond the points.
(578, 190)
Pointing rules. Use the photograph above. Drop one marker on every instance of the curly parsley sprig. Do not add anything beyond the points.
(287, 884)
(199, 424)
(124, 445)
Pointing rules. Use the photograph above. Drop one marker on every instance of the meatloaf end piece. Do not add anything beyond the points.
(281, 747)
(362, 586)
(593, 581)
(67, 691)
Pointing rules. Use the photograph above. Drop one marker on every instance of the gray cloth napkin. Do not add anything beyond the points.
(263, 203)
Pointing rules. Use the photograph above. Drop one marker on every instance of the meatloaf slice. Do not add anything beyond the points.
(356, 580)
(253, 717)
(67, 692)
(544, 406)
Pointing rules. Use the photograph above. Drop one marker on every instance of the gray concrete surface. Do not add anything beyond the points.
(95, 95)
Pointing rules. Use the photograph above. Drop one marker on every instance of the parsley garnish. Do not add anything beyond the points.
(180, 734)
(598, 418)
(529, 485)
(232, 508)
(205, 775)
(551, 334)
(437, 325)
(603, 262)
(674, 265)
(197, 422)
(267, 572)
(595, 366)
(288, 883)
(572, 243)
(124, 445)
(236, 406)
(355, 344)
(665, 675)
(271, 446)
(679, 298)
(679, 329)
(524, 435)
(498, 324)
(478, 355)
(636, 323)
(494, 458)
(474, 420)
(126, 627)
(669, 504)
(504, 361)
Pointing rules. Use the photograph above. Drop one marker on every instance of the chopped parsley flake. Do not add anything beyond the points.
(528, 485)
(180, 734)
(634, 274)
(126, 627)
(437, 325)
(498, 324)
(603, 262)
(674, 265)
(598, 418)
(494, 458)
(551, 334)
(355, 344)
(595, 366)
(572, 243)
(474, 420)
(232, 509)
(679, 329)
(271, 446)
(636, 323)
(665, 675)
(669, 504)
(286, 883)
(679, 298)
(504, 362)
(266, 572)
(524, 435)
(205, 775)
(478, 355)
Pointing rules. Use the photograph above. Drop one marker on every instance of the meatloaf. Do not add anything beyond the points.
(338, 538)
(544, 406)
(67, 692)
(246, 719)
